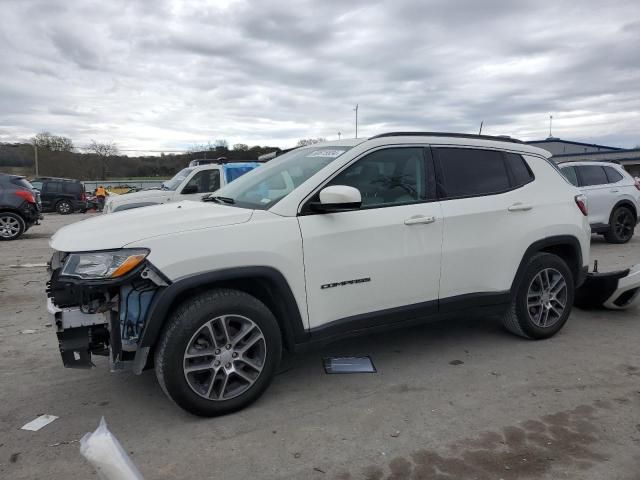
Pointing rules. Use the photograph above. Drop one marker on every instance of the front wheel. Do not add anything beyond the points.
(542, 302)
(621, 226)
(218, 352)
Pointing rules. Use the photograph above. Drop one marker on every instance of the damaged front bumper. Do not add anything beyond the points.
(616, 290)
(103, 318)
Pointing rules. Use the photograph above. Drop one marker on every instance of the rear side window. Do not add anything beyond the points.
(466, 172)
(52, 187)
(570, 174)
(613, 175)
(519, 169)
(72, 188)
(593, 175)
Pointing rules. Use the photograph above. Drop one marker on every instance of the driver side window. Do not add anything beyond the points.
(388, 177)
(206, 181)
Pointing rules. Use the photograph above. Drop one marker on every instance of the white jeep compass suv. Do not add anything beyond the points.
(326, 241)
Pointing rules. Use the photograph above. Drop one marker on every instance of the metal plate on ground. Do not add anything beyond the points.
(348, 365)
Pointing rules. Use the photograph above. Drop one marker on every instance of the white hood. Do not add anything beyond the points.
(159, 196)
(104, 232)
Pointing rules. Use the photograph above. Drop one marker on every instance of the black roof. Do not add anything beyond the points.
(498, 138)
(618, 151)
(58, 179)
(582, 144)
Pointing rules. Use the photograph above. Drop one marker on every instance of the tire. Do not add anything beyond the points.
(12, 226)
(535, 320)
(64, 207)
(622, 224)
(190, 330)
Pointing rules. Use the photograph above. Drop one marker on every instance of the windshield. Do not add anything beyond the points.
(177, 179)
(265, 186)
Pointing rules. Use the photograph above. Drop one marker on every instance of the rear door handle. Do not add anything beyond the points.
(419, 219)
(520, 207)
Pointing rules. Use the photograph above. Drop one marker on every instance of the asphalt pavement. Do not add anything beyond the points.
(459, 399)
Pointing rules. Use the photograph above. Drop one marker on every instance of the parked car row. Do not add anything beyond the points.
(20, 206)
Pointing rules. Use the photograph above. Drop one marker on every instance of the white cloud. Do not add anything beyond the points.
(165, 74)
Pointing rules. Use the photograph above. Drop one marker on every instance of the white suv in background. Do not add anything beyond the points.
(612, 194)
(324, 242)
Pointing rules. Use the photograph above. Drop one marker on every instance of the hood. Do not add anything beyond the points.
(104, 232)
(140, 196)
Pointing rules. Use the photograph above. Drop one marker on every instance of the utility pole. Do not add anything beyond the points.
(339, 135)
(550, 122)
(356, 110)
(35, 152)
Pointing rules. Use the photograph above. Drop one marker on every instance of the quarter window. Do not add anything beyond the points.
(466, 172)
(613, 175)
(393, 176)
(52, 187)
(570, 174)
(519, 169)
(592, 175)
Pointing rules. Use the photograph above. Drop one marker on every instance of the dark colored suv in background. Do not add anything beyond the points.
(64, 195)
(19, 206)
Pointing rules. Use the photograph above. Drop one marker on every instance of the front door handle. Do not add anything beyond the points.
(520, 207)
(614, 190)
(419, 219)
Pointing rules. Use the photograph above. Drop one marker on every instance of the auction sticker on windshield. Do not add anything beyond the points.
(326, 153)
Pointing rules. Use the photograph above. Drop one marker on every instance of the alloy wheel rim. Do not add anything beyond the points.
(624, 224)
(64, 207)
(547, 297)
(224, 357)
(9, 227)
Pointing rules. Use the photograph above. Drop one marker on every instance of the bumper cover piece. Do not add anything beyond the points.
(617, 290)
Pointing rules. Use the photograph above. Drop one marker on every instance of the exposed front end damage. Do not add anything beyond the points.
(100, 316)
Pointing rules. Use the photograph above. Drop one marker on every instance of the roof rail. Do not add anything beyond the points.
(499, 138)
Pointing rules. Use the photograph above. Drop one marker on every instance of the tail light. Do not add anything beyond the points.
(581, 202)
(638, 183)
(26, 195)
(83, 196)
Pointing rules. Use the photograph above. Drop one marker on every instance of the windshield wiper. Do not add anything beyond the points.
(223, 200)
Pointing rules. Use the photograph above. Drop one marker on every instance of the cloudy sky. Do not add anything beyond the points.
(166, 74)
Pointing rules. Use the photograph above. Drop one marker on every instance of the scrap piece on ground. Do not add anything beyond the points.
(102, 449)
(348, 365)
(613, 290)
(38, 423)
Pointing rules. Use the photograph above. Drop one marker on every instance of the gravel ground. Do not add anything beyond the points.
(459, 399)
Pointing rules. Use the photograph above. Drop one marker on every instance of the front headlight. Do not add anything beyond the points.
(96, 265)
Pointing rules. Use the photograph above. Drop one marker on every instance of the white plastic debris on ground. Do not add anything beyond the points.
(107, 456)
(39, 422)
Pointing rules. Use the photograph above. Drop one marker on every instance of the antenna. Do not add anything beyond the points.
(480, 132)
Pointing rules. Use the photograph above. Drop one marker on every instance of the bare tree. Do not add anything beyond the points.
(55, 143)
(241, 147)
(221, 144)
(310, 141)
(104, 151)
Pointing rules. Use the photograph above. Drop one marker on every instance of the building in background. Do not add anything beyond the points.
(568, 151)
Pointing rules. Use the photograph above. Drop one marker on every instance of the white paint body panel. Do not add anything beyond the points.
(402, 261)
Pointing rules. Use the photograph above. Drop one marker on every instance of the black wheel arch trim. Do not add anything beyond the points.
(625, 203)
(291, 322)
(578, 270)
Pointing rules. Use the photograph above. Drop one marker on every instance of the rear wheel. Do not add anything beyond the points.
(621, 225)
(218, 352)
(64, 207)
(12, 226)
(543, 300)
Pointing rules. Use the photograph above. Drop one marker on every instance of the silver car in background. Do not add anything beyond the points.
(613, 197)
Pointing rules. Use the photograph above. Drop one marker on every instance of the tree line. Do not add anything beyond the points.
(58, 157)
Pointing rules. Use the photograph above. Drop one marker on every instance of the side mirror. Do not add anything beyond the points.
(190, 189)
(338, 198)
